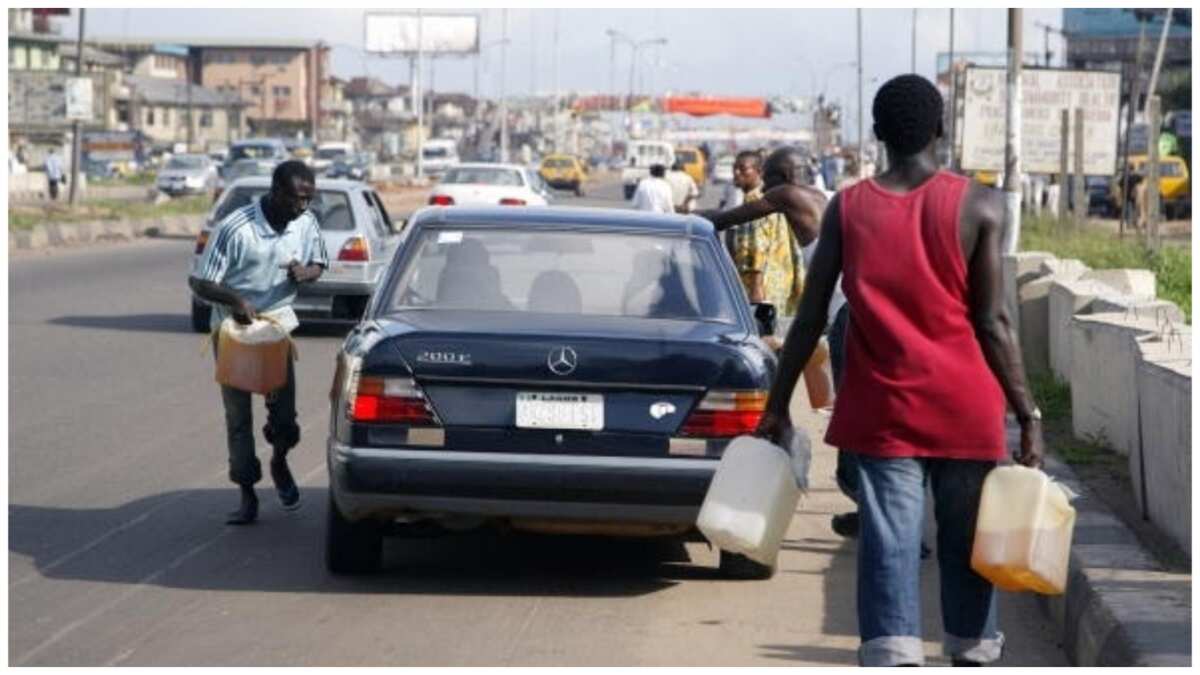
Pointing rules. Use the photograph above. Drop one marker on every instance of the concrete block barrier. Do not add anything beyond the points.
(1104, 398)
(1066, 299)
(1019, 269)
(1161, 465)
(1033, 302)
(1067, 269)
(1139, 307)
(1126, 281)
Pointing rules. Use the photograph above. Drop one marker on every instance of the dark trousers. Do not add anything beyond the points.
(53, 189)
(281, 430)
(847, 464)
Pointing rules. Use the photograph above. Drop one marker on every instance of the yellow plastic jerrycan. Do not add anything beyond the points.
(1023, 534)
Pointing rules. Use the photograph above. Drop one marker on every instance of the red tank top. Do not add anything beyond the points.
(915, 383)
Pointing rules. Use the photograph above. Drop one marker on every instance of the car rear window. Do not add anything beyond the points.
(686, 156)
(253, 151)
(563, 272)
(331, 208)
(482, 176)
(557, 164)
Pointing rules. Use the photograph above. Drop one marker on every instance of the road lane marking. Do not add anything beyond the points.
(137, 587)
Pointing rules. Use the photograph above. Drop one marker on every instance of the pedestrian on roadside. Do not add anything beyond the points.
(931, 360)
(255, 260)
(54, 173)
(684, 191)
(654, 193)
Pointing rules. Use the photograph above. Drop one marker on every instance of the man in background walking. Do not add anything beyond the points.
(654, 192)
(54, 173)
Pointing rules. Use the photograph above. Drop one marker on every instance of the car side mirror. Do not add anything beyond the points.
(765, 317)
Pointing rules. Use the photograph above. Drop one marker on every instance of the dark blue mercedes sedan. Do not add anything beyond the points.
(557, 369)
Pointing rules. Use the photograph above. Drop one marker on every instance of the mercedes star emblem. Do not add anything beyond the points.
(562, 360)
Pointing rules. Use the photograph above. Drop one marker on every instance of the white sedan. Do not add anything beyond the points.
(482, 184)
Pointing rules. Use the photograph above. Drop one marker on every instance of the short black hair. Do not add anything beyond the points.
(908, 113)
(792, 163)
(754, 156)
(286, 171)
(658, 170)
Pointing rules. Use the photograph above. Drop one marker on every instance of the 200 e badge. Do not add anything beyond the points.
(444, 358)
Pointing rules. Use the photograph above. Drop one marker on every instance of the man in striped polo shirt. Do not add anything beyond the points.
(255, 260)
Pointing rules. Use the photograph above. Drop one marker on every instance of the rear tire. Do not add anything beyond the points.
(629, 190)
(201, 315)
(579, 189)
(351, 548)
(738, 566)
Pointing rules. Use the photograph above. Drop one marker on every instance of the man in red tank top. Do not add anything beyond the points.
(931, 359)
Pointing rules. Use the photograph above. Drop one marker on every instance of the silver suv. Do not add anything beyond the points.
(359, 236)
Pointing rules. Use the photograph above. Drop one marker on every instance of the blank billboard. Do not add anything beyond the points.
(395, 34)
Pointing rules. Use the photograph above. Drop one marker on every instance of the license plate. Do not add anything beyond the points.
(538, 410)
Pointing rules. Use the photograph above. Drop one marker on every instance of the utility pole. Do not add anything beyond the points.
(1152, 194)
(189, 101)
(1012, 138)
(914, 41)
(76, 126)
(953, 100)
(558, 143)
(503, 75)
(419, 96)
(861, 140)
(1158, 59)
(1129, 119)
(533, 53)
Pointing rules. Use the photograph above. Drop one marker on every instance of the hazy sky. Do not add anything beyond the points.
(717, 51)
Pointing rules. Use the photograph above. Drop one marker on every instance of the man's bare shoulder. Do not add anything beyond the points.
(983, 206)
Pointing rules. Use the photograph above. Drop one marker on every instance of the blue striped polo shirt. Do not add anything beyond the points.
(247, 255)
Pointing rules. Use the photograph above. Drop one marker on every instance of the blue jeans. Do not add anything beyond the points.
(892, 511)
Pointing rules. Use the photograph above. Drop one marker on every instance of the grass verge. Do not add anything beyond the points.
(1172, 266)
(26, 217)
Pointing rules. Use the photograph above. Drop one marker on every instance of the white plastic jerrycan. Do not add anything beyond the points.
(1023, 534)
(751, 500)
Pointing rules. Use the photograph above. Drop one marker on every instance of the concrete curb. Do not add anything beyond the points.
(1120, 608)
(53, 235)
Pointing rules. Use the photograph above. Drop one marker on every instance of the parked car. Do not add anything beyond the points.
(561, 369)
(564, 172)
(723, 169)
(187, 174)
(358, 233)
(482, 184)
(267, 149)
(328, 153)
(243, 168)
(354, 167)
(1174, 184)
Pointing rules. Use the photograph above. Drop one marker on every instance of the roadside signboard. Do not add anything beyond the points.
(396, 34)
(78, 91)
(1045, 93)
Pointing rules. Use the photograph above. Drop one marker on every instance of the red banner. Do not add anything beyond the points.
(701, 107)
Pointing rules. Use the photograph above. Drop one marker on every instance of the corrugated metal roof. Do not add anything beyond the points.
(212, 42)
(175, 92)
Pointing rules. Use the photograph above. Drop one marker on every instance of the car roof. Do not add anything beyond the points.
(675, 224)
(322, 183)
(258, 141)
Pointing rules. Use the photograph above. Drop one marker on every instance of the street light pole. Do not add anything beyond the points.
(1012, 138)
(861, 141)
(953, 100)
(420, 97)
(76, 126)
(914, 41)
(503, 75)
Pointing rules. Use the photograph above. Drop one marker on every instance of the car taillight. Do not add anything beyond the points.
(725, 414)
(201, 241)
(391, 400)
(441, 200)
(355, 250)
(512, 201)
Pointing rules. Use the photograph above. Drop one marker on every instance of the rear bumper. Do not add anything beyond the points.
(331, 299)
(387, 483)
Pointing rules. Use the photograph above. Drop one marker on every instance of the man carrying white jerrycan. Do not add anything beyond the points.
(252, 266)
(930, 361)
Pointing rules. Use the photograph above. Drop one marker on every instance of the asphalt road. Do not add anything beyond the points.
(118, 554)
